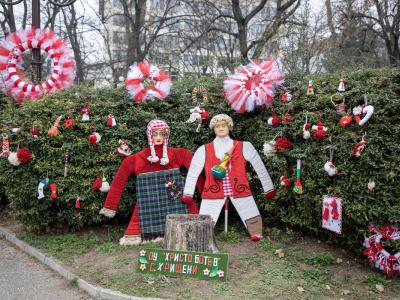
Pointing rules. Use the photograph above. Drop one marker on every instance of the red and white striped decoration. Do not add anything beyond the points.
(13, 81)
(376, 253)
(253, 85)
(145, 81)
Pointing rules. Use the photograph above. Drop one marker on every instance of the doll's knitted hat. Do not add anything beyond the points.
(151, 127)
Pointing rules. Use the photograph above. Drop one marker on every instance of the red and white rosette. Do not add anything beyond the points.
(376, 253)
(13, 81)
(253, 85)
(145, 81)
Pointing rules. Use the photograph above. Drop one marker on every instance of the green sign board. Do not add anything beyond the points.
(201, 265)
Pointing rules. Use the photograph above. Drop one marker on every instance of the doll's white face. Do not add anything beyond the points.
(221, 129)
(158, 137)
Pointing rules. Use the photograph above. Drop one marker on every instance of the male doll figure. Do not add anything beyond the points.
(159, 186)
(233, 183)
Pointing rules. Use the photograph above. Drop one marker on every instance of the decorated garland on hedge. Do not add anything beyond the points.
(11, 71)
(145, 81)
(376, 253)
(253, 85)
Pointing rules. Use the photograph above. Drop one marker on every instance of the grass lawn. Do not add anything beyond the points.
(307, 269)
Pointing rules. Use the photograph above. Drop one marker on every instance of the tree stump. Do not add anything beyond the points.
(189, 233)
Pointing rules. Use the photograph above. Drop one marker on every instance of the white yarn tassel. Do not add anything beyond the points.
(153, 158)
(165, 159)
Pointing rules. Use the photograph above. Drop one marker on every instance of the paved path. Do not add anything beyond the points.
(23, 278)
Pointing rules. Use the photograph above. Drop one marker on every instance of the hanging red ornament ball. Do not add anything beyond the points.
(283, 144)
(273, 121)
(24, 155)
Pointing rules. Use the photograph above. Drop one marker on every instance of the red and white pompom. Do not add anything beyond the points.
(145, 81)
(21, 157)
(253, 85)
(11, 60)
(320, 132)
(94, 138)
(111, 121)
(285, 181)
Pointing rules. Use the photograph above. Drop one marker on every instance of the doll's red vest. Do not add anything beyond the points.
(213, 188)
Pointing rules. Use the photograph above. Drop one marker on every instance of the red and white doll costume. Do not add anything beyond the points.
(144, 162)
(235, 184)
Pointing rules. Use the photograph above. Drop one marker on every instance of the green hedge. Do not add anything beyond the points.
(380, 160)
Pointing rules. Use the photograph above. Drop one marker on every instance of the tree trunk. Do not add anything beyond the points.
(189, 233)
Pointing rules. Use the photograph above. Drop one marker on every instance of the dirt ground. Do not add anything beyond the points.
(307, 268)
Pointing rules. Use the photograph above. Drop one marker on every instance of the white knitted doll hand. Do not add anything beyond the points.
(107, 212)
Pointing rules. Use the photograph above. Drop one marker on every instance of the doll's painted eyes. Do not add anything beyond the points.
(159, 133)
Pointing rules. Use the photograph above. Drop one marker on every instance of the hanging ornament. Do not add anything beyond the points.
(339, 106)
(332, 213)
(21, 157)
(359, 147)
(286, 96)
(94, 137)
(123, 149)
(341, 87)
(69, 122)
(85, 112)
(66, 154)
(310, 88)
(5, 146)
(371, 186)
(78, 202)
(320, 132)
(199, 113)
(269, 148)
(42, 184)
(283, 144)
(285, 181)
(287, 118)
(329, 167)
(253, 85)
(145, 81)
(53, 131)
(298, 187)
(366, 111)
(96, 185)
(381, 258)
(274, 120)
(34, 132)
(111, 121)
(105, 186)
(53, 189)
(306, 130)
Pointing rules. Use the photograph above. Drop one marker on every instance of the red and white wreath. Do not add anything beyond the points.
(12, 79)
(253, 85)
(376, 253)
(145, 81)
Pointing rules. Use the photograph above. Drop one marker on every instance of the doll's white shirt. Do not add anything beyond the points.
(221, 146)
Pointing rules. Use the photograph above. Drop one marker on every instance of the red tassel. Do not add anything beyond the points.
(78, 203)
(97, 183)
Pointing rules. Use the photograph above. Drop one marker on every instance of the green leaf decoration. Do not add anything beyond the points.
(214, 272)
(143, 260)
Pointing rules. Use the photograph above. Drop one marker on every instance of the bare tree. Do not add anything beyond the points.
(385, 22)
(304, 42)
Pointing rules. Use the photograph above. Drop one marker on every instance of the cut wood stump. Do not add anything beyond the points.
(185, 232)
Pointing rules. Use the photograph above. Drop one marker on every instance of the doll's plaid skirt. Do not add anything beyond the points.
(155, 203)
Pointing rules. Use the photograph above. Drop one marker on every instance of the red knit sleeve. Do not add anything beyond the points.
(184, 158)
(126, 169)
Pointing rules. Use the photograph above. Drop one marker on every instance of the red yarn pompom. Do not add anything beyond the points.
(24, 155)
(283, 144)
